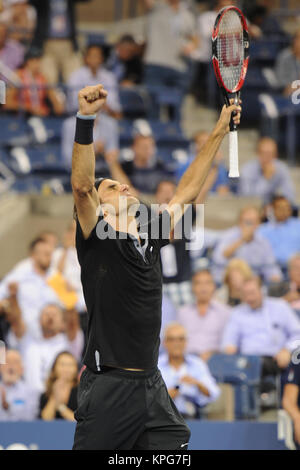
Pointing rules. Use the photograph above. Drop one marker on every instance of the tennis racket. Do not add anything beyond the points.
(230, 49)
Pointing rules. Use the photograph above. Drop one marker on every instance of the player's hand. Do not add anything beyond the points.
(223, 125)
(91, 99)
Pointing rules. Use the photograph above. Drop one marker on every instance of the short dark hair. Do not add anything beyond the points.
(279, 197)
(93, 45)
(127, 38)
(35, 242)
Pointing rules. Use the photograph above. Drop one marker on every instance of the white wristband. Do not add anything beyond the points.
(86, 117)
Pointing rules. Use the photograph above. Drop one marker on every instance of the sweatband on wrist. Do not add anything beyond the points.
(84, 130)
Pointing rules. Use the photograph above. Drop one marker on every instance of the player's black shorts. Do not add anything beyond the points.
(123, 410)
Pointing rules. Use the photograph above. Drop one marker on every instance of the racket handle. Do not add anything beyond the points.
(233, 155)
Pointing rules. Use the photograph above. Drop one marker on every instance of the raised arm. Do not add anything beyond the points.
(195, 176)
(91, 100)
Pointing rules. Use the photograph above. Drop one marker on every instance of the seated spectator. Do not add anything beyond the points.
(283, 232)
(220, 180)
(33, 290)
(106, 141)
(263, 23)
(125, 61)
(245, 242)
(18, 400)
(187, 377)
(287, 67)
(291, 398)
(236, 273)
(262, 326)
(204, 320)
(11, 52)
(59, 401)
(56, 33)
(33, 93)
(93, 73)
(289, 290)
(266, 176)
(21, 18)
(144, 171)
(59, 333)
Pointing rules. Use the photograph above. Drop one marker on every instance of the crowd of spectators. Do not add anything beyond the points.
(237, 293)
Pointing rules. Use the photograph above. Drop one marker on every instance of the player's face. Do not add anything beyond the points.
(203, 286)
(175, 341)
(252, 294)
(115, 197)
(12, 371)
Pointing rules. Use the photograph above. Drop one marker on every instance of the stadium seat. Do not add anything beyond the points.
(14, 130)
(41, 184)
(134, 102)
(243, 372)
(46, 129)
(266, 50)
(38, 159)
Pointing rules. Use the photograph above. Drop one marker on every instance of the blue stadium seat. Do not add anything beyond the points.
(14, 130)
(134, 102)
(266, 50)
(38, 159)
(41, 184)
(243, 372)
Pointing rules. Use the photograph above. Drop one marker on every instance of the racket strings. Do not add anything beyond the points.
(230, 49)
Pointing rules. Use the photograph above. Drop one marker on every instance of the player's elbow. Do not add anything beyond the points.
(81, 189)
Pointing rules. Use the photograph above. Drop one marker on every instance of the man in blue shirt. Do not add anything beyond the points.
(188, 379)
(283, 232)
(262, 326)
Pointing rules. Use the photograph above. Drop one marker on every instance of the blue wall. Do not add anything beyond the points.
(206, 435)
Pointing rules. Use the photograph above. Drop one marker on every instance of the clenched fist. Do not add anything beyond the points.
(91, 99)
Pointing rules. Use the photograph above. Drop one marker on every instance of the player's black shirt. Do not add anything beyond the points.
(293, 377)
(123, 294)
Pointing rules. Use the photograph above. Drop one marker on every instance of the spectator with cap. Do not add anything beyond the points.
(125, 61)
(291, 397)
(93, 72)
(205, 319)
(11, 52)
(283, 232)
(289, 290)
(287, 67)
(188, 379)
(220, 180)
(60, 332)
(262, 326)
(56, 33)
(33, 92)
(266, 175)
(18, 400)
(245, 242)
(59, 401)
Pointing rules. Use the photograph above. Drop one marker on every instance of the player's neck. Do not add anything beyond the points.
(123, 223)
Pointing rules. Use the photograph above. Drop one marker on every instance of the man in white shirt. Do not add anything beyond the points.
(33, 291)
(18, 400)
(59, 333)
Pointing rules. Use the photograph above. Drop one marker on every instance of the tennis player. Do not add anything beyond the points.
(123, 401)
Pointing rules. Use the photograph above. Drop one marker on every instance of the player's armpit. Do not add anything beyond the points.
(87, 207)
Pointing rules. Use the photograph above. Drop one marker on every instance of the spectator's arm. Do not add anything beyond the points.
(271, 270)
(292, 326)
(231, 336)
(56, 102)
(13, 312)
(48, 413)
